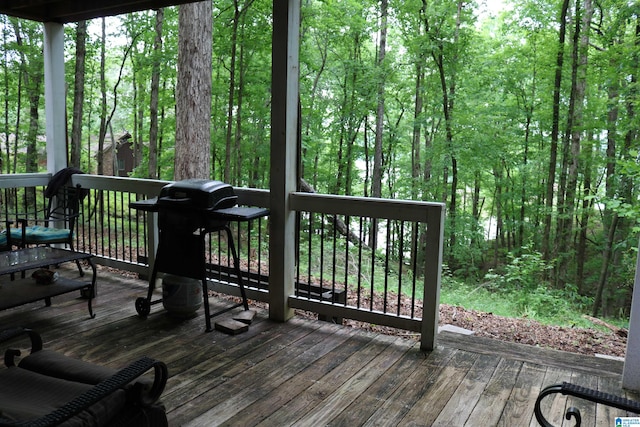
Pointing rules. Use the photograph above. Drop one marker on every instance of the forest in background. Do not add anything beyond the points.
(522, 121)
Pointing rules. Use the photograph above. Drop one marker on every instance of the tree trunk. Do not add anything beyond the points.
(155, 89)
(193, 91)
(579, 82)
(416, 141)
(31, 74)
(587, 203)
(78, 94)
(525, 174)
(416, 166)
(32, 135)
(376, 178)
(103, 100)
(448, 101)
(348, 133)
(5, 63)
(232, 88)
(376, 181)
(555, 129)
(238, 133)
(606, 260)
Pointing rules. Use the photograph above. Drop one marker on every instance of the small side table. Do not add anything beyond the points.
(23, 291)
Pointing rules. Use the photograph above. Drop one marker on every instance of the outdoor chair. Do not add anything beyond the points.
(60, 215)
(6, 241)
(47, 388)
(582, 393)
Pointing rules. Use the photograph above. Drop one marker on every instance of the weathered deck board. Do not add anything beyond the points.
(367, 373)
(466, 396)
(309, 373)
(494, 397)
(294, 389)
(363, 406)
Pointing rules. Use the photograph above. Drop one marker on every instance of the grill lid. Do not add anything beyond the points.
(198, 194)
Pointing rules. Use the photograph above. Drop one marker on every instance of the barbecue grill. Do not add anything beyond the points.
(188, 211)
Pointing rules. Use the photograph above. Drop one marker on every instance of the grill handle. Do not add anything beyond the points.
(226, 202)
(176, 201)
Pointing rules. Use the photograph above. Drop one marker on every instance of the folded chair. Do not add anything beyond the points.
(585, 394)
(47, 388)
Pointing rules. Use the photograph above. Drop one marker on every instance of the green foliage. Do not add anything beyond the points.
(497, 72)
(550, 307)
(522, 282)
(525, 272)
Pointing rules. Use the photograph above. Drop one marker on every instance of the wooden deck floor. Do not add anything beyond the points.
(311, 373)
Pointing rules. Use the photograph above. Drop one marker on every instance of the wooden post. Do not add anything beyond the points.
(54, 97)
(631, 372)
(432, 278)
(284, 119)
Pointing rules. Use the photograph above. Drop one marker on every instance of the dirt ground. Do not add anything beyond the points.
(589, 341)
(592, 341)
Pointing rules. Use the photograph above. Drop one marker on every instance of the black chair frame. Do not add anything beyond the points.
(584, 393)
(63, 207)
(99, 391)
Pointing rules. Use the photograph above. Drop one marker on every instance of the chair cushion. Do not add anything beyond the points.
(26, 395)
(54, 364)
(40, 234)
(58, 365)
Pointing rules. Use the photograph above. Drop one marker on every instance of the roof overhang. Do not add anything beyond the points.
(63, 11)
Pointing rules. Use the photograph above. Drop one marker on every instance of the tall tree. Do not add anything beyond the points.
(445, 54)
(193, 91)
(155, 89)
(6, 92)
(32, 74)
(555, 131)
(78, 93)
(571, 150)
(103, 98)
(376, 178)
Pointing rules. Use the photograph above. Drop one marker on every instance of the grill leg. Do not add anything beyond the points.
(205, 297)
(152, 282)
(236, 266)
(143, 305)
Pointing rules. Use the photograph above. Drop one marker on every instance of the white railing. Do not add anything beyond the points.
(394, 270)
(363, 302)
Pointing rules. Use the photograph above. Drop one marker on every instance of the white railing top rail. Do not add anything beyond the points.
(145, 187)
(24, 180)
(406, 210)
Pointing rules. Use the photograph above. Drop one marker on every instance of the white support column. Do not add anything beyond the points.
(54, 96)
(284, 116)
(631, 372)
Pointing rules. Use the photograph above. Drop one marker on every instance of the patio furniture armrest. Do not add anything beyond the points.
(99, 392)
(25, 221)
(585, 394)
(9, 334)
(6, 243)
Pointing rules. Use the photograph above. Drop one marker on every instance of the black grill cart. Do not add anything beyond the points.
(188, 211)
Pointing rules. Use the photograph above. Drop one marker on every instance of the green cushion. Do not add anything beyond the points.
(40, 234)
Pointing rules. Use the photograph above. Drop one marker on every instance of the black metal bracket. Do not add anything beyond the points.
(584, 393)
